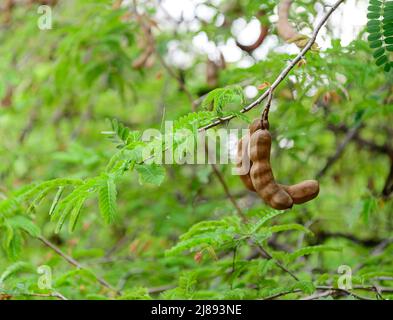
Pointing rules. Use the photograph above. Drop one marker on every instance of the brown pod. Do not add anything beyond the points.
(284, 28)
(261, 173)
(243, 157)
(303, 191)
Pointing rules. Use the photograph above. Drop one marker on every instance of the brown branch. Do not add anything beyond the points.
(384, 149)
(33, 117)
(228, 193)
(388, 186)
(324, 291)
(180, 81)
(57, 295)
(369, 242)
(340, 150)
(370, 145)
(267, 255)
(74, 262)
(283, 73)
(262, 35)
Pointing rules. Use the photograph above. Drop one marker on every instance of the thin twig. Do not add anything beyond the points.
(267, 255)
(340, 150)
(283, 73)
(329, 290)
(74, 262)
(228, 193)
(57, 295)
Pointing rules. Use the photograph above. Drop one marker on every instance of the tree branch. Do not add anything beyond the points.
(340, 150)
(73, 262)
(283, 73)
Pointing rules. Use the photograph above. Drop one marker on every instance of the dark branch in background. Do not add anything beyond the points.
(85, 117)
(151, 43)
(283, 73)
(33, 118)
(384, 149)
(370, 145)
(321, 236)
(339, 151)
(388, 187)
(263, 32)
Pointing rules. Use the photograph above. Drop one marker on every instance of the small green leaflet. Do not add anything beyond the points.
(150, 174)
(107, 195)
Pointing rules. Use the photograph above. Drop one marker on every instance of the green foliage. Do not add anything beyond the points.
(138, 229)
(380, 28)
(107, 199)
(220, 98)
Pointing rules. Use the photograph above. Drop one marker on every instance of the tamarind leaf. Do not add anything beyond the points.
(381, 60)
(268, 216)
(387, 25)
(138, 293)
(220, 239)
(388, 33)
(107, 195)
(8, 235)
(290, 257)
(374, 36)
(15, 246)
(375, 274)
(376, 44)
(373, 15)
(373, 28)
(75, 213)
(84, 273)
(286, 227)
(307, 287)
(373, 23)
(219, 98)
(203, 227)
(56, 200)
(15, 268)
(150, 174)
(374, 8)
(25, 224)
(389, 40)
(378, 52)
(63, 216)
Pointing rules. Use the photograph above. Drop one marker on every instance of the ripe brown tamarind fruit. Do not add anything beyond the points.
(260, 177)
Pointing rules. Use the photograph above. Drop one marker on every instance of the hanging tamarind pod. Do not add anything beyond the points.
(299, 193)
(303, 191)
(261, 172)
(244, 161)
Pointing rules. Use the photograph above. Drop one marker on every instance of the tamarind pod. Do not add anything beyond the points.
(261, 173)
(254, 126)
(303, 191)
(141, 60)
(299, 193)
(284, 28)
(242, 157)
(262, 35)
(243, 154)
